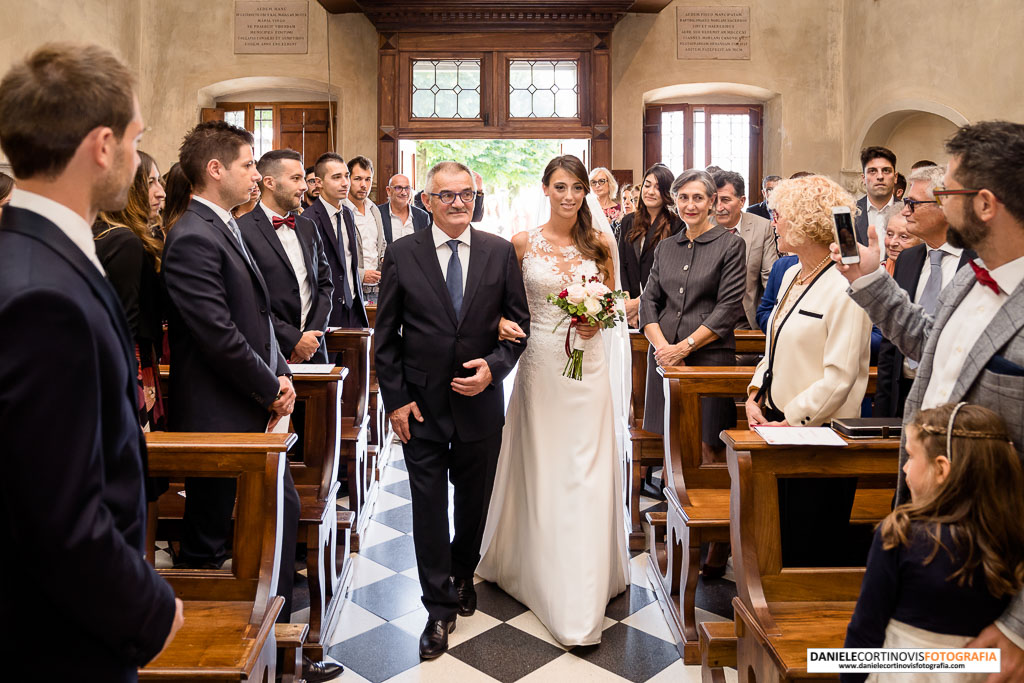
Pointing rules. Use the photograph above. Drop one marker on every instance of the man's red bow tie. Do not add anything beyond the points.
(289, 221)
(984, 277)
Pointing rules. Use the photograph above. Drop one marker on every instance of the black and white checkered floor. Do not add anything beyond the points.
(382, 618)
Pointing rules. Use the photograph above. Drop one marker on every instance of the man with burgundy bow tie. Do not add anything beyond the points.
(289, 252)
(972, 348)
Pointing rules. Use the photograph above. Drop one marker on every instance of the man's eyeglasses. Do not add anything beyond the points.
(941, 192)
(774, 214)
(599, 182)
(912, 204)
(448, 197)
(401, 189)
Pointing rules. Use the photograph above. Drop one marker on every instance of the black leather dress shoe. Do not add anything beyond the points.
(466, 595)
(315, 672)
(434, 640)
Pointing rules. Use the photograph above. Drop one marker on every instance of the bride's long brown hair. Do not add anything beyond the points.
(584, 236)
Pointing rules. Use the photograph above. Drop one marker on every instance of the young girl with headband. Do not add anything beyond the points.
(945, 566)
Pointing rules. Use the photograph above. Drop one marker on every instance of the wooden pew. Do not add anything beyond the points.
(781, 611)
(316, 481)
(325, 530)
(360, 468)
(698, 496)
(647, 448)
(229, 632)
(750, 341)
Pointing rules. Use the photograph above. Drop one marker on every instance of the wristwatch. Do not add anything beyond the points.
(692, 342)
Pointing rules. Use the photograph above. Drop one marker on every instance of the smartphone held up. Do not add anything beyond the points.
(842, 226)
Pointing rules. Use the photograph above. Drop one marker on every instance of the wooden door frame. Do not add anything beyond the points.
(397, 51)
(652, 137)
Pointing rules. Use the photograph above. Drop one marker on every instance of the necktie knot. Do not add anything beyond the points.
(288, 221)
(984, 277)
(454, 245)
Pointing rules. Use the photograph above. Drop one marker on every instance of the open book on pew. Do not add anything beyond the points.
(311, 368)
(799, 436)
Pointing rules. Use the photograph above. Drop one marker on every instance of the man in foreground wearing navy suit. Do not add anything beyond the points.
(289, 253)
(72, 494)
(440, 366)
(227, 371)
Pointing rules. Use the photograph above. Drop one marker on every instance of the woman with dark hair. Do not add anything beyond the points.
(6, 186)
(641, 231)
(130, 255)
(558, 491)
(178, 194)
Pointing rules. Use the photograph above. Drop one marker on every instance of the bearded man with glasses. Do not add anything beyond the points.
(972, 348)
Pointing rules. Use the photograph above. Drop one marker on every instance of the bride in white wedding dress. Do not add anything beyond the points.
(554, 537)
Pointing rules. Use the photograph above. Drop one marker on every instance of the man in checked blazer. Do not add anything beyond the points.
(973, 348)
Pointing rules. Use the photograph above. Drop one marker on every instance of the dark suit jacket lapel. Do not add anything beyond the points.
(207, 214)
(302, 230)
(916, 259)
(428, 263)
(479, 255)
(321, 217)
(270, 233)
(52, 237)
(385, 219)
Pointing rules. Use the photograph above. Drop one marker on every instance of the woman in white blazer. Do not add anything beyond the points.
(815, 366)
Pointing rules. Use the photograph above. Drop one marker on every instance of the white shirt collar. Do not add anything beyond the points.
(871, 207)
(270, 214)
(222, 213)
(441, 237)
(949, 249)
(69, 222)
(331, 211)
(1008, 276)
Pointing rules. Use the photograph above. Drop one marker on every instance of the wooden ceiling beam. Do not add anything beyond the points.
(494, 15)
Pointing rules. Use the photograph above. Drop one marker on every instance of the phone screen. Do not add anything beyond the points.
(845, 236)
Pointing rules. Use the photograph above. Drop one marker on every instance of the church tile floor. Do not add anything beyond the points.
(382, 618)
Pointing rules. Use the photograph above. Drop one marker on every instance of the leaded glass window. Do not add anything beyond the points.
(446, 88)
(543, 88)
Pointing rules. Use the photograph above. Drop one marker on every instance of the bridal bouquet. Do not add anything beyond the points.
(585, 303)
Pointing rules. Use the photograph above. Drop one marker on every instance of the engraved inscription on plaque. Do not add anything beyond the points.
(713, 32)
(271, 26)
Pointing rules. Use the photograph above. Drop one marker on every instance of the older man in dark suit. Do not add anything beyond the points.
(74, 458)
(440, 365)
(289, 253)
(972, 348)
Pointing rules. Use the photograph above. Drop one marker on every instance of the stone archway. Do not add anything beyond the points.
(916, 127)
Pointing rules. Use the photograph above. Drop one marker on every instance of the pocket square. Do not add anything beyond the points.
(1002, 366)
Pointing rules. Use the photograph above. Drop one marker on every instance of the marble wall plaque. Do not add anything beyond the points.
(271, 26)
(713, 32)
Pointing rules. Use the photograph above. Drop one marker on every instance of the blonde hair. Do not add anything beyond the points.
(807, 204)
(613, 185)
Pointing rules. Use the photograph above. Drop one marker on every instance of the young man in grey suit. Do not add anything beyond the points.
(972, 349)
(758, 235)
(879, 167)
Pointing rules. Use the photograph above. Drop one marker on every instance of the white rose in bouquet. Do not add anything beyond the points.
(597, 289)
(592, 305)
(577, 293)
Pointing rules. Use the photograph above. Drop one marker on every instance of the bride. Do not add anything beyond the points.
(554, 537)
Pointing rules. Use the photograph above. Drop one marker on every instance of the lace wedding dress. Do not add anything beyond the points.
(554, 537)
